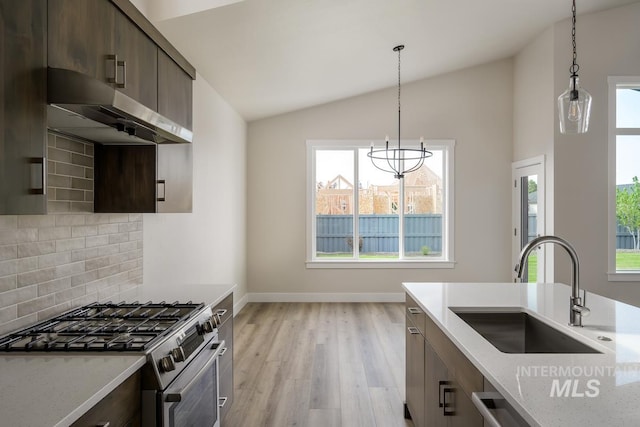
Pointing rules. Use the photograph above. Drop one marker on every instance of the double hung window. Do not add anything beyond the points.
(624, 172)
(358, 214)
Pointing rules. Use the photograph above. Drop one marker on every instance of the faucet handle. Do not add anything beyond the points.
(581, 307)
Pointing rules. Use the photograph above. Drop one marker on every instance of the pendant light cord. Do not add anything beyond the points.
(399, 98)
(574, 66)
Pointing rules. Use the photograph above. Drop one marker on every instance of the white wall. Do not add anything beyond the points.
(472, 106)
(534, 118)
(207, 246)
(607, 45)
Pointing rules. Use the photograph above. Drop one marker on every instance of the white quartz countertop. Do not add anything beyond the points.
(605, 387)
(210, 294)
(54, 390)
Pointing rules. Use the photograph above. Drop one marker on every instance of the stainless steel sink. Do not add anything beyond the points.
(518, 332)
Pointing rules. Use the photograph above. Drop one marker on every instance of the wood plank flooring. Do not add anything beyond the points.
(319, 364)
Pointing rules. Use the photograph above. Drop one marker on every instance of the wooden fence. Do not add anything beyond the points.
(379, 233)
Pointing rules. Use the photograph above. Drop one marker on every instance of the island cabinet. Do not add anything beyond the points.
(120, 408)
(95, 38)
(415, 363)
(223, 312)
(439, 378)
(23, 131)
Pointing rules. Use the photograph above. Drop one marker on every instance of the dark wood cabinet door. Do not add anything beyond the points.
(23, 42)
(175, 178)
(125, 178)
(81, 37)
(175, 92)
(437, 386)
(415, 373)
(223, 311)
(465, 413)
(120, 408)
(139, 70)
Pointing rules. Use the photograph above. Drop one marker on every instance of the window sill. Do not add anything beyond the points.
(380, 264)
(623, 276)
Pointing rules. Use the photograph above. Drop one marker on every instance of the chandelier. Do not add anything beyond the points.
(398, 161)
(574, 105)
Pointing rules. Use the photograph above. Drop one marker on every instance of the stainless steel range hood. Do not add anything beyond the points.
(87, 108)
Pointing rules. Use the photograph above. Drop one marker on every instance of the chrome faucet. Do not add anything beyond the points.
(577, 305)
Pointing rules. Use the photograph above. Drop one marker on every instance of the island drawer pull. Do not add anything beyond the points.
(222, 401)
(413, 330)
(414, 310)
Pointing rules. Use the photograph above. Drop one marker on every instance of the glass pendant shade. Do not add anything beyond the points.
(574, 108)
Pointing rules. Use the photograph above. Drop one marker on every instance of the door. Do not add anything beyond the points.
(415, 369)
(528, 214)
(81, 37)
(437, 389)
(23, 137)
(138, 74)
(175, 91)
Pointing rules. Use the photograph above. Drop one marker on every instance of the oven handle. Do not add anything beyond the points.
(178, 395)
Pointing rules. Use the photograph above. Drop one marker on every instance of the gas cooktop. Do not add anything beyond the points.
(135, 327)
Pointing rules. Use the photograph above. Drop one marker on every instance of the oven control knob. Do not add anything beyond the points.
(207, 325)
(178, 354)
(167, 364)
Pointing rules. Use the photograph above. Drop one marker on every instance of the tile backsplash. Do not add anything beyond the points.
(70, 175)
(53, 263)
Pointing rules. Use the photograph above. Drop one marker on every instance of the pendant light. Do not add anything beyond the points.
(574, 105)
(398, 161)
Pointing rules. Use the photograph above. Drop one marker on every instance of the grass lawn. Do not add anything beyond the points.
(627, 260)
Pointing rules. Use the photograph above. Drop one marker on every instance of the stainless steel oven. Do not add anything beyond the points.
(192, 399)
(180, 341)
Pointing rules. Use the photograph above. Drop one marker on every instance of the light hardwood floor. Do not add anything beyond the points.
(319, 364)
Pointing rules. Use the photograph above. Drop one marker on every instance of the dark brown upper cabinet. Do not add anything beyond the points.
(95, 38)
(143, 178)
(175, 91)
(23, 132)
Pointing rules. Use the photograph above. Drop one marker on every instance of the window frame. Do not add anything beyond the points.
(614, 83)
(446, 261)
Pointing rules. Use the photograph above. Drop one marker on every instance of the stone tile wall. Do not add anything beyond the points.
(70, 175)
(53, 263)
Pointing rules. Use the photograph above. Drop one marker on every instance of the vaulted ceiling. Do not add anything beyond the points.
(267, 57)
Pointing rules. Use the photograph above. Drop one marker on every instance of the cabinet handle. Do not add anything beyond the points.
(414, 310)
(104, 424)
(220, 312)
(222, 401)
(223, 351)
(122, 64)
(37, 175)
(162, 182)
(443, 391)
(113, 58)
(413, 330)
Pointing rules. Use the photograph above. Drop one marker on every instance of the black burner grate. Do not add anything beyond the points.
(103, 327)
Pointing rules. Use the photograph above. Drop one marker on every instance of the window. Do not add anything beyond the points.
(361, 216)
(624, 171)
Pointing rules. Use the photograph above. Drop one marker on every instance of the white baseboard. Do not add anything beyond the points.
(239, 305)
(325, 297)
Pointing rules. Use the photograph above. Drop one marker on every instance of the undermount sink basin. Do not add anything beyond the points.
(519, 332)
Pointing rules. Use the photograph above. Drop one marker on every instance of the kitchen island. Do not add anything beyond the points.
(604, 387)
(56, 389)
